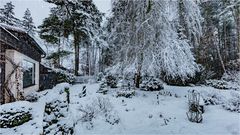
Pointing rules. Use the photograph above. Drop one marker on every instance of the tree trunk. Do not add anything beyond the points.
(76, 47)
(219, 52)
(238, 30)
(59, 49)
(88, 61)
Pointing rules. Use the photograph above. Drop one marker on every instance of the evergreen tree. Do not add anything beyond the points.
(27, 23)
(82, 22)
(52, 31)
(7, 15)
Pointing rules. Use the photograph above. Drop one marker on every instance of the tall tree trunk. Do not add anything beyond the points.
(59, 49)
(219, 52)
(138, 74)
(76, 47)
(88, 61)
(237, 16)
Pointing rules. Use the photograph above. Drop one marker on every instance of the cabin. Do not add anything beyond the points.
(20, 57)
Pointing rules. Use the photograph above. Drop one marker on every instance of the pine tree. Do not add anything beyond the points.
(7, 15)
(27, 23)
(81, 20)
(52, 31)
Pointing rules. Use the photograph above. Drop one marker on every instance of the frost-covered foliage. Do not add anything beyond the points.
(63, 75)
(212, 98)
(126, 93)
(13, 119)
(233, 79)
(111, 80)
(152, 84)
(55, 118)
(145, 36)
(222, 84)
(27, 23)
(100, 107)
(218, 84)
(7, 15)
(80, 20)
(233, 104)
(190, 20)
(32, 97)
(167, 93)
(103, 88)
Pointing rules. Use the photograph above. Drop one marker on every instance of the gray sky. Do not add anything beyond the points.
(40, 9)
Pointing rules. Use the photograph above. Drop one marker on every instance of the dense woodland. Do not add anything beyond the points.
(179, 41)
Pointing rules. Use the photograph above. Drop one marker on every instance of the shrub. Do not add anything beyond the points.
(12, 119)
(54, 116)
(100, 76)
(212, 98)
(99, 107)
(126, 94)
(152, 84)
(103, 88)
(32, 97)
(111, 81)
(233, 104)
(218, 84)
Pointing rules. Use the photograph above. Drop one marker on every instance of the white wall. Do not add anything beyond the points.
(14, 84)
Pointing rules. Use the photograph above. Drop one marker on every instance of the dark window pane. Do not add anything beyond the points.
(28, 73)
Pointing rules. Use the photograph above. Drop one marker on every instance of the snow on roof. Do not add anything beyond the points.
(9, 33)
(14, 28)
(18, 29)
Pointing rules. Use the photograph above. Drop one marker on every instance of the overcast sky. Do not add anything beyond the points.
(40, 9)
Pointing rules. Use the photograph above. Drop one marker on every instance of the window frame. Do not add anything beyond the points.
(33, 74)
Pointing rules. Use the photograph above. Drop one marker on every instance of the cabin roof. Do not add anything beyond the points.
(15, 32)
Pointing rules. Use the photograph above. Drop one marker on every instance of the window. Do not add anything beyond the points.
(28, 73)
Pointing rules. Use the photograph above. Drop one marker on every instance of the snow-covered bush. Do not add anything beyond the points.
(103, 88)
(167, 93)
(13, 119)
(233, 79)
(64, 76)
(100, 76)
(203, 75)
(126, 93)
(99, 107)
(102, 105)
(124, 84)
(152, 84)
(32, 97)
(233, 104)
(212, 98)
(218, 84)
(111, 80)
(50, 77)
(55, 118)
(233, 65)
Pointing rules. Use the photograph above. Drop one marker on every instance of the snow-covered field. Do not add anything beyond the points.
(107, 114)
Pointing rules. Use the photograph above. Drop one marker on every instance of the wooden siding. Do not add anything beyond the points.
(2, 76)
(22, 43)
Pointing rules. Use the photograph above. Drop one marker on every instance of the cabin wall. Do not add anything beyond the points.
(2, 72)
(16, 82)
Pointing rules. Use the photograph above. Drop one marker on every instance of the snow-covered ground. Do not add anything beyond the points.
(140, 114)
